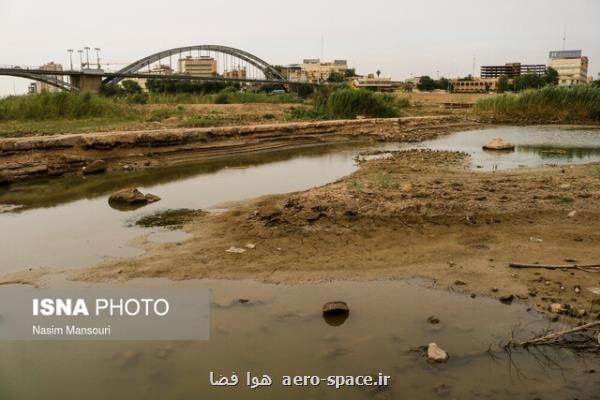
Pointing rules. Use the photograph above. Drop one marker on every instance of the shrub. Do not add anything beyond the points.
(549, 104)
(349, 103)
(67, 105)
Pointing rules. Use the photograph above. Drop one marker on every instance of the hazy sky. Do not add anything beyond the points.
(401, 38)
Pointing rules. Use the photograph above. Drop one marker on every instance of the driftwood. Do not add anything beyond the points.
(553, 337)
(587, 268)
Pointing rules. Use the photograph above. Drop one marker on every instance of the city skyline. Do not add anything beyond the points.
(402, 39)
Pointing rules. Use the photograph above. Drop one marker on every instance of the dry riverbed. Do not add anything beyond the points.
(408, 214)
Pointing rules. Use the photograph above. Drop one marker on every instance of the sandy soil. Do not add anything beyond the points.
(414, 214)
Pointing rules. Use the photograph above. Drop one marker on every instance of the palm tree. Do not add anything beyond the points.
(378, 73)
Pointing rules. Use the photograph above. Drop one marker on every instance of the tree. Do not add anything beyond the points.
(596, 83)
(350, 73)
(443, 84)
(528, 81)
(335, 76)
(131, 87)
(302, 89)
(503, 84)
(378, 73)
(426, 84)
(551, 76)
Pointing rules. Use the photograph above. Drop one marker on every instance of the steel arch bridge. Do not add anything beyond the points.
(269, 72)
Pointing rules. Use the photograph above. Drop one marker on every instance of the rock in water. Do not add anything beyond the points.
(436, 354)
(498, 144)
(95, 167)
(132, 196)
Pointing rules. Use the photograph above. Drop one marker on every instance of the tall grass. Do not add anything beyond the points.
(550, 104)
(62, 105)
(224, 97)
(350, 103)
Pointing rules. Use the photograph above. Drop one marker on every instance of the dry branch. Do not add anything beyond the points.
(557, 335)
(587, 268)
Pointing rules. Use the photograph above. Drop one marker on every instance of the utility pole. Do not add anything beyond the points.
(71, 58)
(97, 49)
(87, 56)
(80, 58)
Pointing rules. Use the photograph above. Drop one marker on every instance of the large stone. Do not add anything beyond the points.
(436, 354)
(132, 196)
(498, 144)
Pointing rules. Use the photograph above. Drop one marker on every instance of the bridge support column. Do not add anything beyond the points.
(87, 83)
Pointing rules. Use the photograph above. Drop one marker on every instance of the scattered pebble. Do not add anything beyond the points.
(250, 246)
(235, 250)
(556, 308)
(535, 239)
(436, 354)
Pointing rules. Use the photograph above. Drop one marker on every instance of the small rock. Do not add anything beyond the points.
(556, 308)
(535, 239)
(433, 320)
(235, 250)
(570, 260)
(95, 167)
(572, 214)
(459, 283)
(243, 301)
(507, 299)
(250, 246)
(436, 354)
(565, 186)
(498, 144)
(577, 289)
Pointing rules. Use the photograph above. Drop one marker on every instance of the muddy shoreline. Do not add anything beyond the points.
(417, 214)
(28, 158)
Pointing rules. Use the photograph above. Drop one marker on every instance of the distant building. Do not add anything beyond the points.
(44, 87)
(292, 72)
(572, 67)
(203, 66)
(475, 85)
(374, 83)
(511, 70)
(237, 73)
(160, 69)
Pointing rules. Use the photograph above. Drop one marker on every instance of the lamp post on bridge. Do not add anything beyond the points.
(87, 56)
(80, 58)
(71, 57)
(97, 49)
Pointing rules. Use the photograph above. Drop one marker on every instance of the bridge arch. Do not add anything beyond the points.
(263, 66)
(50, 80)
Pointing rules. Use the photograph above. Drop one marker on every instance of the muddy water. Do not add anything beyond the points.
(535, 146)
(71, 224)
(280, 331)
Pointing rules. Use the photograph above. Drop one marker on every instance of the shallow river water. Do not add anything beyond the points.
(280, 331)
(68, 223)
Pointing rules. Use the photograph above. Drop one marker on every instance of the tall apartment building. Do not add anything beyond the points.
(511, 70)
(44, 87)
(572, 67)
(203, 66)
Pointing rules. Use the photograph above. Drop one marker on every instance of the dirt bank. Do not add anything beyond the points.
(416, 213)
(47, 156)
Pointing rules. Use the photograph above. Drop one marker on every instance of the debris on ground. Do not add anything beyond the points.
(235, 250)
(436, 354)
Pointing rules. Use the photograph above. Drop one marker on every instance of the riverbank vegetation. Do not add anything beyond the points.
(550, 104)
